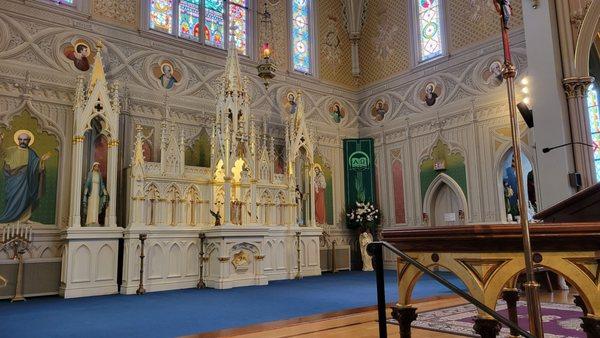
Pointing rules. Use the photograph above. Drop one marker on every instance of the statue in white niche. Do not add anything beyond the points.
(364, 239)
(95, 196)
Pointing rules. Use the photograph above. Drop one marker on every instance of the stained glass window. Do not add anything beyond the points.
(189, 19)
(214, 23)
(237, 24)
(594, 115)
(161, 15)
(430, 29)
(64, 2)
(301, 35)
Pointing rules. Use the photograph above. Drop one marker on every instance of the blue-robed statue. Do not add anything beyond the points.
(24, 176)
(95, 196)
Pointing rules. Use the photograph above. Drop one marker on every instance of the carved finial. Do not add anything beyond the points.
(137, 160)
(26, 86)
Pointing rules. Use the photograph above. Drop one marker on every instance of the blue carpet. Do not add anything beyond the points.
(184, 312)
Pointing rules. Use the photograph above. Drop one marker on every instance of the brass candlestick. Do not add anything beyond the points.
(141, 290)
(17, 238)
(509, 73)
(201, 284)
(298, 275)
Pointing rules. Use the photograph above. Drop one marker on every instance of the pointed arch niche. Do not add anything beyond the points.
(445, 203)
(443, 182)
(507, 185)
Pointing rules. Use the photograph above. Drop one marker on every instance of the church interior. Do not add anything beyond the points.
(279, 168)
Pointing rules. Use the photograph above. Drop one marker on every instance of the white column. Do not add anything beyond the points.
(252, 206)
(227, 200)
(111, 173)
(548, 103)
(311, 184)
(76, 174)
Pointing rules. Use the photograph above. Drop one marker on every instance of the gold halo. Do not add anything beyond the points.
(23, 131)
(162, 64)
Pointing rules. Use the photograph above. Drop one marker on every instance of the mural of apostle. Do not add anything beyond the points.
(430, 93)
(291, 102)
(493, 75)
(24, 174)
(166, 74)
(320, 186)
(337, 112)
(379, 110)
(95, 196)
(80, 55)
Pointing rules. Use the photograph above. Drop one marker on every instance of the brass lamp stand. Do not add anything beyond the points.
(509, 73)
(141, 290)
(299, 262)
(201, 284)
(17, 238)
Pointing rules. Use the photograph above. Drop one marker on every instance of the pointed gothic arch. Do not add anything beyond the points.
(429, 203)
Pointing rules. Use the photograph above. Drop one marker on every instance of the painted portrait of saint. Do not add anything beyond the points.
(24, 177)
(379, 109)
(320, 186)
(290, 104)
(430, 93)
(166, 74)
(493, 74)
(337, 112)
(81, 55)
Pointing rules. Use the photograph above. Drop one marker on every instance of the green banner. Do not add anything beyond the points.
(359, 169)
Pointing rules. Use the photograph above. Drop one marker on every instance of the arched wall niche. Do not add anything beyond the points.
(503, 174)
(439, 211)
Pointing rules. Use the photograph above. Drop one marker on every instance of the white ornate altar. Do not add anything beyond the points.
(90, 254)
(172, 204)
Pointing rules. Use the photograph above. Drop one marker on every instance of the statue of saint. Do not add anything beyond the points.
(300, 205)
(365, 238)
(24, 174)
(95, 196)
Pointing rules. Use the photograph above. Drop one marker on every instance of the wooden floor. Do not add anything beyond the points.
(356, 323)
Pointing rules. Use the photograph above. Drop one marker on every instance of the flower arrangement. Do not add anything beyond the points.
(363, 216)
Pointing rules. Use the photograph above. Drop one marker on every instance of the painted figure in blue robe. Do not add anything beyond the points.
(167, 80)
(24, 175)
(95, 196)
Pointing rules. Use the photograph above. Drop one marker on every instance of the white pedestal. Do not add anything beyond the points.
(90, 259)
(235, 255)
(171, 258)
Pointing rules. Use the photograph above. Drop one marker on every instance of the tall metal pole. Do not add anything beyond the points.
(509, 72)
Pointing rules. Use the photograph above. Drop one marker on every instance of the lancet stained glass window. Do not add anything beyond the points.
(189, 20)
(594, 116)
(203, 21)
(430, 29)
(301, 35)
(161, 15)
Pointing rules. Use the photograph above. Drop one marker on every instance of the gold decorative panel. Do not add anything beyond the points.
(468, 24)
(122, 12)
(335, 59)
(385, 42)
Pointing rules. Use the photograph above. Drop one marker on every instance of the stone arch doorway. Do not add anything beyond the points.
(445, 203)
